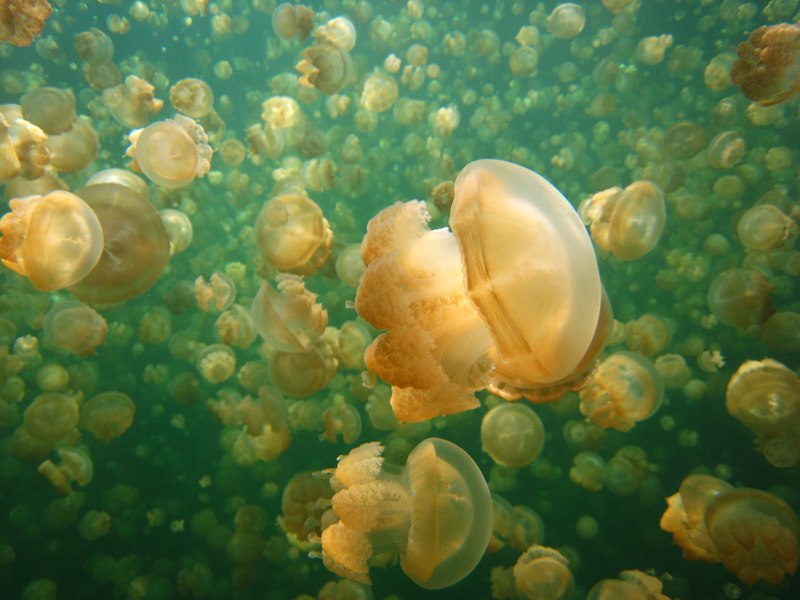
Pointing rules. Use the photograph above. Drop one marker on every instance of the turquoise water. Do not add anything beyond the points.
(158, 465)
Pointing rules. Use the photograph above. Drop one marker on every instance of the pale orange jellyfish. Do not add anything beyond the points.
(768, 69)
(75, 327)
(74, 149)
(512, 434)
(75, 466)
(341, 419)
(220, 289)
(107, 415)
(131, 102)
(632, 585)
(741, 298)
(171, 153)
(54, 240)
(300, 514)
(51, 109)
(326, 67)
(449, 300)
(289, 21)
(22, 20)
(303, 374)
(51, 417)
(135, 250)
(566, 21)
(441, 531)
(542, 573)
(291, 234)
(192, 97)
(290, 319)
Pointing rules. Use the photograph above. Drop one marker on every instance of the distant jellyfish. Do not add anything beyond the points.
(301, 509)
(627, 222)
(54, 240)
(589, 470)
(75, 466)
(51, 417)
(542, 573)
(191, 97)
(626, 471)
(379, 93)
(341, 419)
(49, 108)
(75, 327)
(74, 149)
(302, 374)
(566, 21)
(766, 71)
(219, 292)
(94, 46)
(764, 227)
(125, 269)
(94, 524)
(290, 20)
(339, 31)
(172, 152)
(632, 585)
(741, 298)
(107, 415)
(179, 230)
(512, 434)
(121, 177)
(216, 363)
(326, 67)
(440, 531)
(131, 102)
(349, 266)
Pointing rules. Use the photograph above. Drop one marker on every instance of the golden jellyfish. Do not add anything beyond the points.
(765, 226)
(74, 149)
(292, 235)
(673, 370)
(349, 266)
(94, 524)
(281, 112)
(754, 533)
(623, 390)
(326, 67)
(504, 219)
(290, 319)
(107, 415)
(232, 152)
(171, 153)
(741, 298)
(51, 417)
(24, 152)
(235, 327)
(379, 93)
(648, 335)
(220, 289)
(684, 139)
(22, 20)
(131, 102)
(54, 240)
(75, 327)
(303, 374)
(626, 222)
(726, 150)
(512, 434)
(566, 21)
(542, 573)
(626, 471)
(51, 109)
(121, 177)
(94, 46)
(588, 471)
(289, 21)
(650, 50)
(616, 6)
(216, 363)
(684, 517)
(765, 397)
(341, 419)
(441, 531)
(135, 250)
(179, 230)
(349, 343)
(766, 71)
(339, 31)
(523, 61)
(632, 585)
(52, 377)
(191, 97)
(75, 466)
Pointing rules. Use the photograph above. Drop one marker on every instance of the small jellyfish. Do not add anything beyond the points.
(650, 50)
(75, 466)
(626, 471)
(566, 21)
(216, 363)
(235, 327)
(51, 417)
(125, 269)
(74, 149)
(131, 102)
(75, 327)
(54, 240)
(440, 531)
(764, 227)
(94, 524)
(741, 298)
(725, 150)
(192, 97)
(300, 512)
(94, 46)
(281, 112)
(379, 93)
(179, 230)
(51, 109)
(624, 389)
(303, 374)
(341, 419)
(542, 573)
(339, 31)
(220, 290)
(632, 585)
(290, 319)
(349, 266)
(326, 67)
(512, 434)
(289, 21)
(291, 234)
(107, 415)
(648, 335)
(589, 471)
(766, 71)
(626, 222)
(171, 153)
(121, 177)
(349, 343)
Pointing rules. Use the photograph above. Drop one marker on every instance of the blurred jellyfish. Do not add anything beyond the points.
(326, 67)
(75, 327)
(566, 21)
(512, 434)
(192, 97)
(458, 508)
(131, 102)
(741, 298)
(766, 71)
(589, 471)
(51, 109)
(75, 466)
(220, 289)
(542, 573)
(107, 415)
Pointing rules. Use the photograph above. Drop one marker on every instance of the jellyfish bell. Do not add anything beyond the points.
(49, 108)
(441, 530)
(326, 67)
(512, 434)
(54, 240)
(136, 245)
(766, 71)
(192, 97)
(121, 177)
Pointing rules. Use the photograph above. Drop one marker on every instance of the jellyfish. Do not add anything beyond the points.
(20, 22)
(440, 531)
(292, 235)
(49, 108)
(626, 222)
(289, 21)
(379, 93)
(741, 298)
(75, 327)
(74, 149)
(648, 335)
(349, 343)
(220, 289)
(179, 229)
(135, 245)
(764, 227)
(448, 327)
(171, 153)
(23, 146)
(216, 363)
(121, 177)
(54, 240)
(512, 434)
(131, 102)
(75, 466)
(107, 415)
(303, 374)
(626, 471)
(94, 524)
(632, 585)
(767, 69)
(624, 389)
(566, 21)
(192, 97)
(542, 573)
(51, 417)
(326, 67)
(349, 266)
(765, 397)
(235, 327)
(341, 419)
(589, 471)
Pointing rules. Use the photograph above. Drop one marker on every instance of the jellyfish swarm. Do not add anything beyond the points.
(459, 304)
(437, 512)
(768, 69)
(753, 533)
